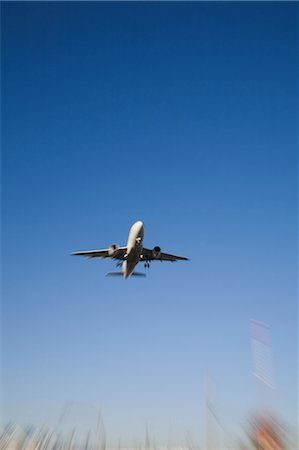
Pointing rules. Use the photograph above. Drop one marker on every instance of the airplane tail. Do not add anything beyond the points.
(121, 274)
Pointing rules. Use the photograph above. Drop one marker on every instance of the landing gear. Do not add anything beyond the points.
(147, 265)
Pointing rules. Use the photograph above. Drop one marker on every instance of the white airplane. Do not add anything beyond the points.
(132, 254)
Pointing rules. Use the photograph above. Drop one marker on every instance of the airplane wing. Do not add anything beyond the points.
(150, 255)
(117, 253)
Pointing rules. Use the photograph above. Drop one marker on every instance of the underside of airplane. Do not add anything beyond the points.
(133, 253)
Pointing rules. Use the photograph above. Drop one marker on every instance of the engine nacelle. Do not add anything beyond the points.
(156, 252)
(112, 249)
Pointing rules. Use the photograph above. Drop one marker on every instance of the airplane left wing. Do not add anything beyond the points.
(152, 255)
(117, 253)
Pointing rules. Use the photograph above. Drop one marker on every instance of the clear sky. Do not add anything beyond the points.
(182, 115)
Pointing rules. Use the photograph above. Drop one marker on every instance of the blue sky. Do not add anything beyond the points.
(182, 115)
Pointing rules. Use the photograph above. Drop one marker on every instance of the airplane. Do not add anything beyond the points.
(132, 254)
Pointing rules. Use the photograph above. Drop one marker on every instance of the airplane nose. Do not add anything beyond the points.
(141, 227)
(138, 228)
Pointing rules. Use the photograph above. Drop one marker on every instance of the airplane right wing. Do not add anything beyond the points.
(115, 253)
(156, 254)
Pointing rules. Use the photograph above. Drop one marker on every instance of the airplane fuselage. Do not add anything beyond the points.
(134, 248)
(131, 254)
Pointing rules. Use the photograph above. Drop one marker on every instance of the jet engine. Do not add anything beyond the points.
(156, 252)
(113, 249)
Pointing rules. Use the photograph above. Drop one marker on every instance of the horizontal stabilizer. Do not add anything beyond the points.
(121, 274)
(114, 274)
